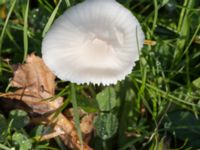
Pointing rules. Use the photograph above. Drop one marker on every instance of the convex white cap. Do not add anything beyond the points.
(97, 41)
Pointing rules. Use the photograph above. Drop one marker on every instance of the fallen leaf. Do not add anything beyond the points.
(87, 124)
(36, 85)
(34, 77)
(37, 104)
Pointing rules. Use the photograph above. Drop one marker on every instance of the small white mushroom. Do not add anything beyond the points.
(96, 41)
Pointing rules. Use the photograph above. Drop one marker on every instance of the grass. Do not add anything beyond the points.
(3, 30)
(75, 111)
(156, 106)
(25, 29)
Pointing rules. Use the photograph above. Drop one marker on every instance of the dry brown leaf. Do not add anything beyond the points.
(61, 125)
(34, 76)
(86, 120)
(36, 83)
(86, 124)
(37, 104)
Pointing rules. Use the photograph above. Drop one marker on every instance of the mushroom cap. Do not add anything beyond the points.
(96, 41)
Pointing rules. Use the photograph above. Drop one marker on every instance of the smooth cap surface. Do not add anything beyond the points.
(97, 41)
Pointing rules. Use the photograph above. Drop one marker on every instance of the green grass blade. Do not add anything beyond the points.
(3, 147)
(192, 39)
(46, 5)
(6, 23)
(76, 114)
(25, 30)
(167, 95)
(12, 39)
(181, 19)
(68, 3)
(60, 144)
(155, 16)
(4, 29)
(51, 19)
(183, 29)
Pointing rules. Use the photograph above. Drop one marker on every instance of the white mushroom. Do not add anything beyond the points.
(96, 41)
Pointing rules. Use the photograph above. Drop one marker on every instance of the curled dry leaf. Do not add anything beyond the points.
(37, 104)
(87, 126)
(70, 139)
(34, 76)
(86, 120)
(66, 131)
(36, 85)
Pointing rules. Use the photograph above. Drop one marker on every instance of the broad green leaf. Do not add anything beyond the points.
(196, 82)
(185, 126)
(21, 141)
(19, 117)
(106, 125)
(38, 131)
(88, 105)
(106, 99)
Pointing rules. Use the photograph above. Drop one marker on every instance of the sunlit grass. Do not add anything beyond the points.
(165, 83)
